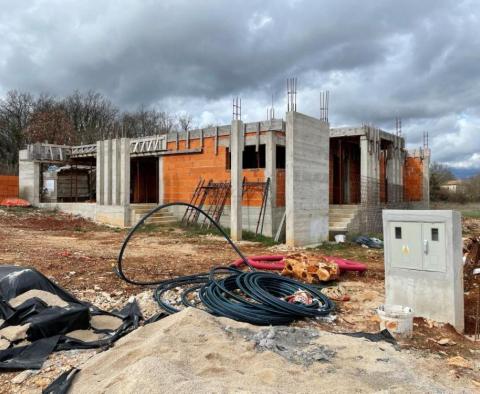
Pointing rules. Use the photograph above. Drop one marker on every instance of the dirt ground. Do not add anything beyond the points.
(80, 256)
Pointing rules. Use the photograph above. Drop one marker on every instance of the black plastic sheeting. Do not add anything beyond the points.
(62, 383)
(49, 324)
(383, 335)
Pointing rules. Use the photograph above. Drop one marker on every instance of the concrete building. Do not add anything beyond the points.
(320, 179)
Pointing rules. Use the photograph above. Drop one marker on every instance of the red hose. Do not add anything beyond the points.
(276, 262)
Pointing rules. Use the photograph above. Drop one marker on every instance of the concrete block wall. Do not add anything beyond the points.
(29, 180)
(307, 180)
(8, 186)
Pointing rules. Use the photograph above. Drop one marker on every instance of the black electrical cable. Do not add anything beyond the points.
(119, 268)
(255, 297)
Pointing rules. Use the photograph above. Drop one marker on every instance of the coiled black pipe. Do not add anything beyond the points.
(119, 268)
(255, 297)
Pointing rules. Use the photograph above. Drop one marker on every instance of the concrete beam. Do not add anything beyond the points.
(306, 188)
(236, 171)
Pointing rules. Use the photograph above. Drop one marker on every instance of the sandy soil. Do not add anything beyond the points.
(79, 255)
(193, 351)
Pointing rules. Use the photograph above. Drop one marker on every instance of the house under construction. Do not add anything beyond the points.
(297, 174)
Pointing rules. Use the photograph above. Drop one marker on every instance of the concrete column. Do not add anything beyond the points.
(306, 188)
(390, 171)
(116, 176)
(270, 226)
(99, 173)
(236, 154)
(29, 181)
(125, 171)
(426, 179)
(107, 172)
(160, 180)
(364, 168)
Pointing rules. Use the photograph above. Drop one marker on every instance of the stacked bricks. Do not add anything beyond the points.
(413, 179)
(8, 186)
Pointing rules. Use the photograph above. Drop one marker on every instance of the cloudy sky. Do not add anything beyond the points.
(419, 60)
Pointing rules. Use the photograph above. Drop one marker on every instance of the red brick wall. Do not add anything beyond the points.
(181, 173)
(355, 178)
(8, 186)
(413, 179)
(280, 200)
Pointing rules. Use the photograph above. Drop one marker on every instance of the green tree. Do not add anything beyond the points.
(439, 175)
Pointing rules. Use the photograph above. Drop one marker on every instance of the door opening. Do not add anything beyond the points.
(144, 180)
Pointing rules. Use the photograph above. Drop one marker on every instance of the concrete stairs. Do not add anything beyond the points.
(162, 217)
(340, 216)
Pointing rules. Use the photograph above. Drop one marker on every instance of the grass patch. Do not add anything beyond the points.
(196, 230)
(471, 214)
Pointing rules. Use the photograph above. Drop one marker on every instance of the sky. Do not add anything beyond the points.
(418, 60)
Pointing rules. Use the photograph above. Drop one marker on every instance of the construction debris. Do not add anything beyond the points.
(39, 317)
(299, 266)
(14, 202)
(369, 242)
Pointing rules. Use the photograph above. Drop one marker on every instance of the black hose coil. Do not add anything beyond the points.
(256, 297)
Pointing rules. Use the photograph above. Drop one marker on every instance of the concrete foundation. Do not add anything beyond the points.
(306, 173)
(423, 263)
(113, 215)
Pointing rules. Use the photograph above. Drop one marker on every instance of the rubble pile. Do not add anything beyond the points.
(299, 266)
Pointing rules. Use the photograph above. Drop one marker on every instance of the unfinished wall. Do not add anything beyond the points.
(307, 179)
(182, 172)
(413, 179)
(8, 186)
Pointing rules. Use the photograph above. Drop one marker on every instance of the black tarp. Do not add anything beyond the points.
(49, 324)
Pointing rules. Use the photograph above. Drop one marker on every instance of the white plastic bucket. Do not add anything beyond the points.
(397, 319)
(340, 238)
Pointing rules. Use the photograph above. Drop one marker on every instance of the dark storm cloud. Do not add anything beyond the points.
(379, 59)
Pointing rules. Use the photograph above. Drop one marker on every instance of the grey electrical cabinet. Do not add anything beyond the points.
(423, 263)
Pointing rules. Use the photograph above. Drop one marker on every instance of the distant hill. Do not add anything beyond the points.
(463, 173)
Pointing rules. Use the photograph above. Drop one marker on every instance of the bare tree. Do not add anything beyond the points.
(93, 116)
(15, 112)
(51, 125)
(166, 123)
(185, 121)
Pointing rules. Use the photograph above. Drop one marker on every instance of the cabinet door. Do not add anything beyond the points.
(434, 248)
(406, 245)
